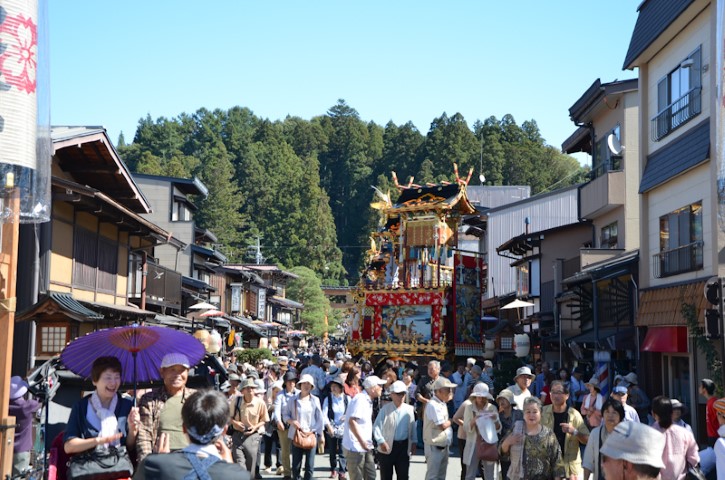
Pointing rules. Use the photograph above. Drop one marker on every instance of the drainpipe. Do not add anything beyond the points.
(144, 274)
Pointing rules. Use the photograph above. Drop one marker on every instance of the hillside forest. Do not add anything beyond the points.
(303, 187)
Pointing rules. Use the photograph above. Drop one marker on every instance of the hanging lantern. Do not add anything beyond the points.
(25, 144)
(522, 345)
(274, 342)
(263, 342)
(489, 349)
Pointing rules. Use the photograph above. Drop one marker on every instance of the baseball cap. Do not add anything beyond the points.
(18, 387)
(398, 387)
(171, 359)
(443, 382)
(372, 380)
(619, 389)
(636, 443)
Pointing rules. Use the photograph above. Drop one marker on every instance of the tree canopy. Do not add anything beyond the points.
(304, 186)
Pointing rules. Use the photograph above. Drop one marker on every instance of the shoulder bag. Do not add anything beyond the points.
(303, 440)
(694, 473)
(100, 464)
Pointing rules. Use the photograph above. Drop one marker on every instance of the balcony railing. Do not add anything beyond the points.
(686, 258)
(676, 114)
(612, 164)
(163, 285)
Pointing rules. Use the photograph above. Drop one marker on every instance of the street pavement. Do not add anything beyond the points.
(417, 468)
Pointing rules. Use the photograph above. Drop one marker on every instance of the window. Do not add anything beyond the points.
(522, 279)
(507, 343)
(608, 238)
(52, 339)
(604, 160)
(680, 241)
(95, 261)
(678, 96)
(180, 212)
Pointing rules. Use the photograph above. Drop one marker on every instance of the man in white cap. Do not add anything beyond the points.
(394, 432)
(437, 429)
(249, 416)
(357, 436)
(520, 388)
(633, 451)
(161, 427)
(620, 393)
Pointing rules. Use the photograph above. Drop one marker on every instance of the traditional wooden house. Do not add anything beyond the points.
(96, 226)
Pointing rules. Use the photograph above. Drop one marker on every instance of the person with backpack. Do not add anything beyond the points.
(248, 421)
(334, 407)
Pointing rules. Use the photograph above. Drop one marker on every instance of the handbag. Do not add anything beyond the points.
(101, 464)
(694, 473)
(304, 440)
(487, 452)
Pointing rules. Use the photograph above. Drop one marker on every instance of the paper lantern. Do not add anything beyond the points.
(522, 345)
(263, 343)
(25, 144)
(274, 342)
(489, 349)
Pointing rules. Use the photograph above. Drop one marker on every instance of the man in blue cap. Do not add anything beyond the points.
(620, 393)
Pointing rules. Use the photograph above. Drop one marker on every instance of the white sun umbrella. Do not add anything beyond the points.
(203, 306)
(517, 304)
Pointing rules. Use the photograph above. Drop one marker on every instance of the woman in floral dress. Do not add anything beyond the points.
(532, 448)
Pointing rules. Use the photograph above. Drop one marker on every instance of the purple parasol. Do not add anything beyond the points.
(140, 349)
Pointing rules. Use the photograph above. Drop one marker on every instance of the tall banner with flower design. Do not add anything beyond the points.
(25, 144)
(468, 327)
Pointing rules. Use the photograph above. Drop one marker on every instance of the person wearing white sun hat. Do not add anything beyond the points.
(394, 432)
(520, 388)
(305, 413)
(480, 418)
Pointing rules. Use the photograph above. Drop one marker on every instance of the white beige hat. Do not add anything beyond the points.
(594, 382)
(398, 387)
(443, 382)
(481, 390)
(525, 371)
(373, 380)
(631, 378)
(307, 378)
(636, 443)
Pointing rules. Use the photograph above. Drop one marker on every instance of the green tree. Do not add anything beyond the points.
(307, 289)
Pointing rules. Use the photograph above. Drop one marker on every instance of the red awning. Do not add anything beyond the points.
(665, 340)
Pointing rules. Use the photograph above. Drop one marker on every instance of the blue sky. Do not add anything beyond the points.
(115, 62)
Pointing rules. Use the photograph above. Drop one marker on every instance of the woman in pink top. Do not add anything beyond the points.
(680, 446)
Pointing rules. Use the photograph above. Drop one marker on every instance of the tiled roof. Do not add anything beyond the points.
(654, 18)
(686, 152)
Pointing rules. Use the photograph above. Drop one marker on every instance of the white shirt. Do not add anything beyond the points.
(519, 395)
(360, 411)
(437, 412)
(630, 413)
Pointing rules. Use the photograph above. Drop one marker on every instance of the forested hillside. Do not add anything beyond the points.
(304, 186)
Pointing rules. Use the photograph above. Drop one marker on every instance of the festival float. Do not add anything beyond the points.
(419, 296)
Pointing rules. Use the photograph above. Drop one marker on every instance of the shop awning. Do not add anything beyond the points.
(662, 306)
(665, 340)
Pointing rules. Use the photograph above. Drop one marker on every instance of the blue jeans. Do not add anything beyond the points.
(419, 431)
(297, 462)
(337, 457)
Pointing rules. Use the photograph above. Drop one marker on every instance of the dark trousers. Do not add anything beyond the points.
(297, 462)
(271, 443)
(398, 460)
(461, 447)
(337, 457)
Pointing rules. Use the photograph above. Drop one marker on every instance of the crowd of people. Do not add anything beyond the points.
(372, 418)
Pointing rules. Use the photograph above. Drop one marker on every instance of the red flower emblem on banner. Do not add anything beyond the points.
(19, 36)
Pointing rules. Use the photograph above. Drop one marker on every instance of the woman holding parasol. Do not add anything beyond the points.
(104, 417)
